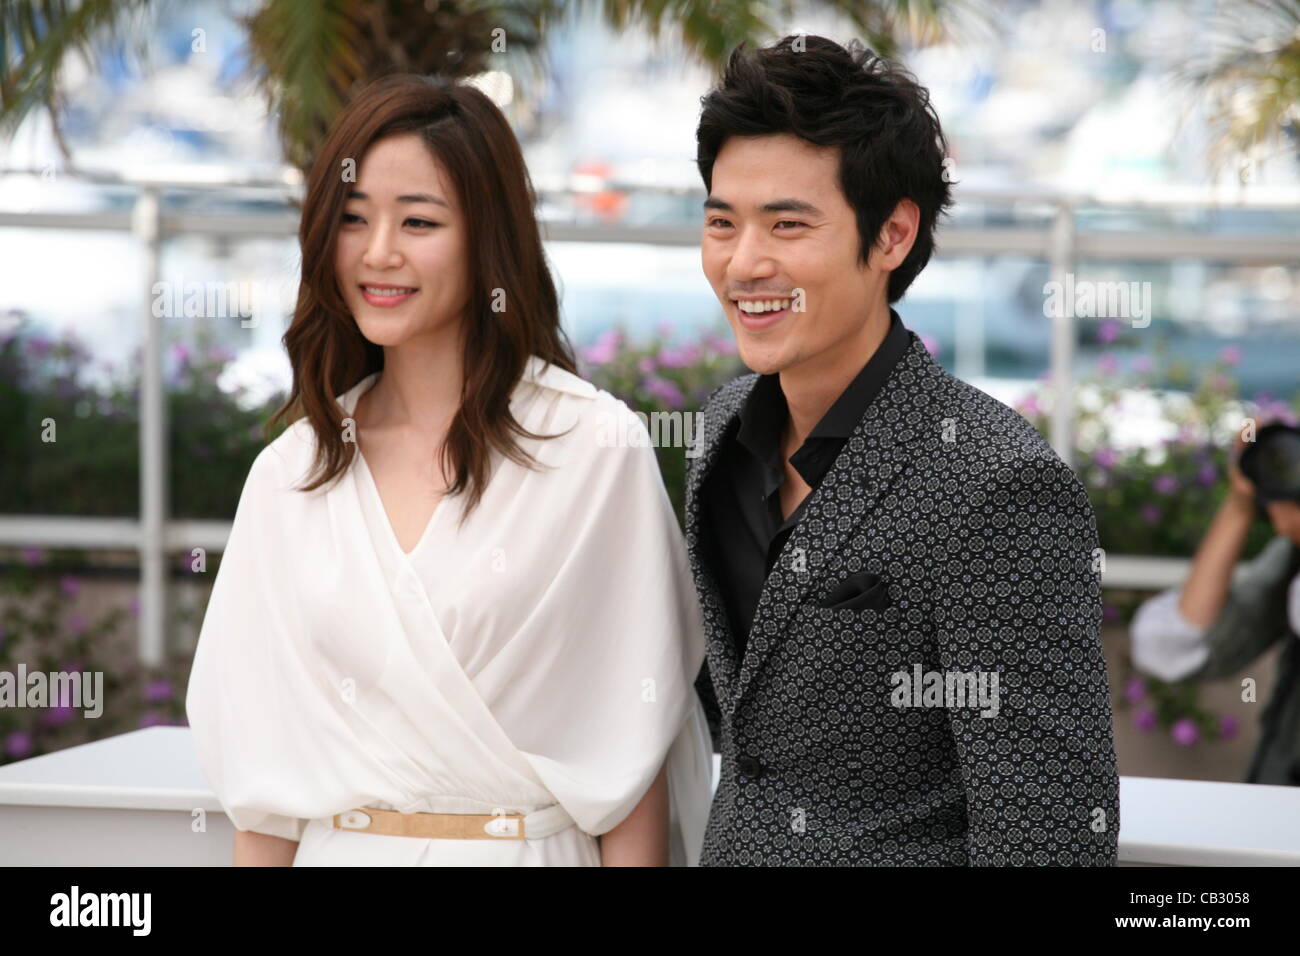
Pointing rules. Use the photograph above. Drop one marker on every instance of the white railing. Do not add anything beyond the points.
(1058, 240)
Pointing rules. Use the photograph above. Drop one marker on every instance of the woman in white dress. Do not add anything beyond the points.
(454, 621)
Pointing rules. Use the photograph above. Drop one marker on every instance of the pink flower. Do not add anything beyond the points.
(1105, 458)
(605, 348)
(1029, 406)
(1107, 364)
(1108, 332)
(33, 556)
(56, 716)
(158, 690)
(1230, 355)
(18, 744)
(646, 364)
(665, 391)
(1145, 720)
(1184, 732)
(1166, 484)
(1142, 364)
(682, 357)
(1135, 690)
(1227, 727)
(69, 585)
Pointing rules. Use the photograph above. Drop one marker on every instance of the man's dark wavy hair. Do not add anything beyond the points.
(891, 144)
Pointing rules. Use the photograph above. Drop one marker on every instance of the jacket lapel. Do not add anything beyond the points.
(899, 428)
(718, 424)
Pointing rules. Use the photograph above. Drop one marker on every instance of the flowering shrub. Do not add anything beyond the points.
(43, 628)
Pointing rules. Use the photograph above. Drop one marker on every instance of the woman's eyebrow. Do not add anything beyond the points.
(409, 197)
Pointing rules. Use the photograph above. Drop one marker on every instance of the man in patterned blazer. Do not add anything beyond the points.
(899, 577)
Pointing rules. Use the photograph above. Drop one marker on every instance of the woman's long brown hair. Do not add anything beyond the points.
(472, 140)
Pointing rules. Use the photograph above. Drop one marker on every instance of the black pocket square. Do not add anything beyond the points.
(858, 592)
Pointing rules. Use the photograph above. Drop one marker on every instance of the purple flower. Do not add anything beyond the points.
(721, 345)
(180, 353)
(1109, 612)
(665, 391)
(1108, 332)
(39, 346)
(18, 744)
(1184, 732)
(931, 345)
(1105, 458)
(152, 718)
(682, 357)
(1135, 690)
(76, 623)
(1145, 720)
(69, 585)
(1150, 514)
(158, 690)
(605, 349)
(1029, 406)
(1166, 484)
(1208, 475)
(1107, 364)
(1142, 364)
(56, 716)
(647, 365)
(1227, 727)
(33, 556)
(1230, 354)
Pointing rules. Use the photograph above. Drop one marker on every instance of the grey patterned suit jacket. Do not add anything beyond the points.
(985, 542)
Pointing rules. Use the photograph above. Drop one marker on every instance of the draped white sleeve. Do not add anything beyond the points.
(623, 640)
(1164, 644)
(237, 660)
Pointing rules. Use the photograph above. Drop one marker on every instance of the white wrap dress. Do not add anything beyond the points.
(541, 655)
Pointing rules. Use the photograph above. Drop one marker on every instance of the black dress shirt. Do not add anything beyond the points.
(744, 531)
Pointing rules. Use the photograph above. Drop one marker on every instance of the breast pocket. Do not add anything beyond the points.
(853, 655)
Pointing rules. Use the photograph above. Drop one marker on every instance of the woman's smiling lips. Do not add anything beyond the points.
(389, 300)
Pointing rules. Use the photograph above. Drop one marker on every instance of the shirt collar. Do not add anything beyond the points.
(763, 415)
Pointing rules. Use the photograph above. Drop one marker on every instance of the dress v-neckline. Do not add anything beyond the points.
(378, 499)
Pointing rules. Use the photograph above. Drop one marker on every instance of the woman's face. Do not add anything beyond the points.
(401, 228)
(1285, 516)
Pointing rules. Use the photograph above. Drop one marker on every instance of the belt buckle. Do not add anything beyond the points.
(352, 820)
(508, 826)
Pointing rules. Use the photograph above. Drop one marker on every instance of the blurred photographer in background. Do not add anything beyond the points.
(1220, 621)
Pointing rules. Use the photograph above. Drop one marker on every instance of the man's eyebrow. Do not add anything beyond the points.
(776, 205)
(409, 197)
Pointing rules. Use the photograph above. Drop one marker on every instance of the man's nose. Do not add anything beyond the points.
(752, 258)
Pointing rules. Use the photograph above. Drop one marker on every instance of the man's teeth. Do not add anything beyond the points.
(769, 305)
(375, 290)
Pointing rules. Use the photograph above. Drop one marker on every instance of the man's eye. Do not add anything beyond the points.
(789, 222)
(717, 221)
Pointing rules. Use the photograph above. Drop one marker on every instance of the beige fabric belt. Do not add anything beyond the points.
(456, 826)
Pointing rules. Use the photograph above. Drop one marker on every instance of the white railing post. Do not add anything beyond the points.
(1061, 262)
(147, 225)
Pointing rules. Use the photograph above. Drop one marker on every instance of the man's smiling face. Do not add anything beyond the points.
(778, 228)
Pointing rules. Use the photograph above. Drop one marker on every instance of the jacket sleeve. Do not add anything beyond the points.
(1254, 613)
(1020, 597)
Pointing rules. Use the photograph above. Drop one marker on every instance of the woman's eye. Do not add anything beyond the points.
(418, 223)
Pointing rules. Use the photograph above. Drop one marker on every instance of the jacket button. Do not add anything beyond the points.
(749, 766)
